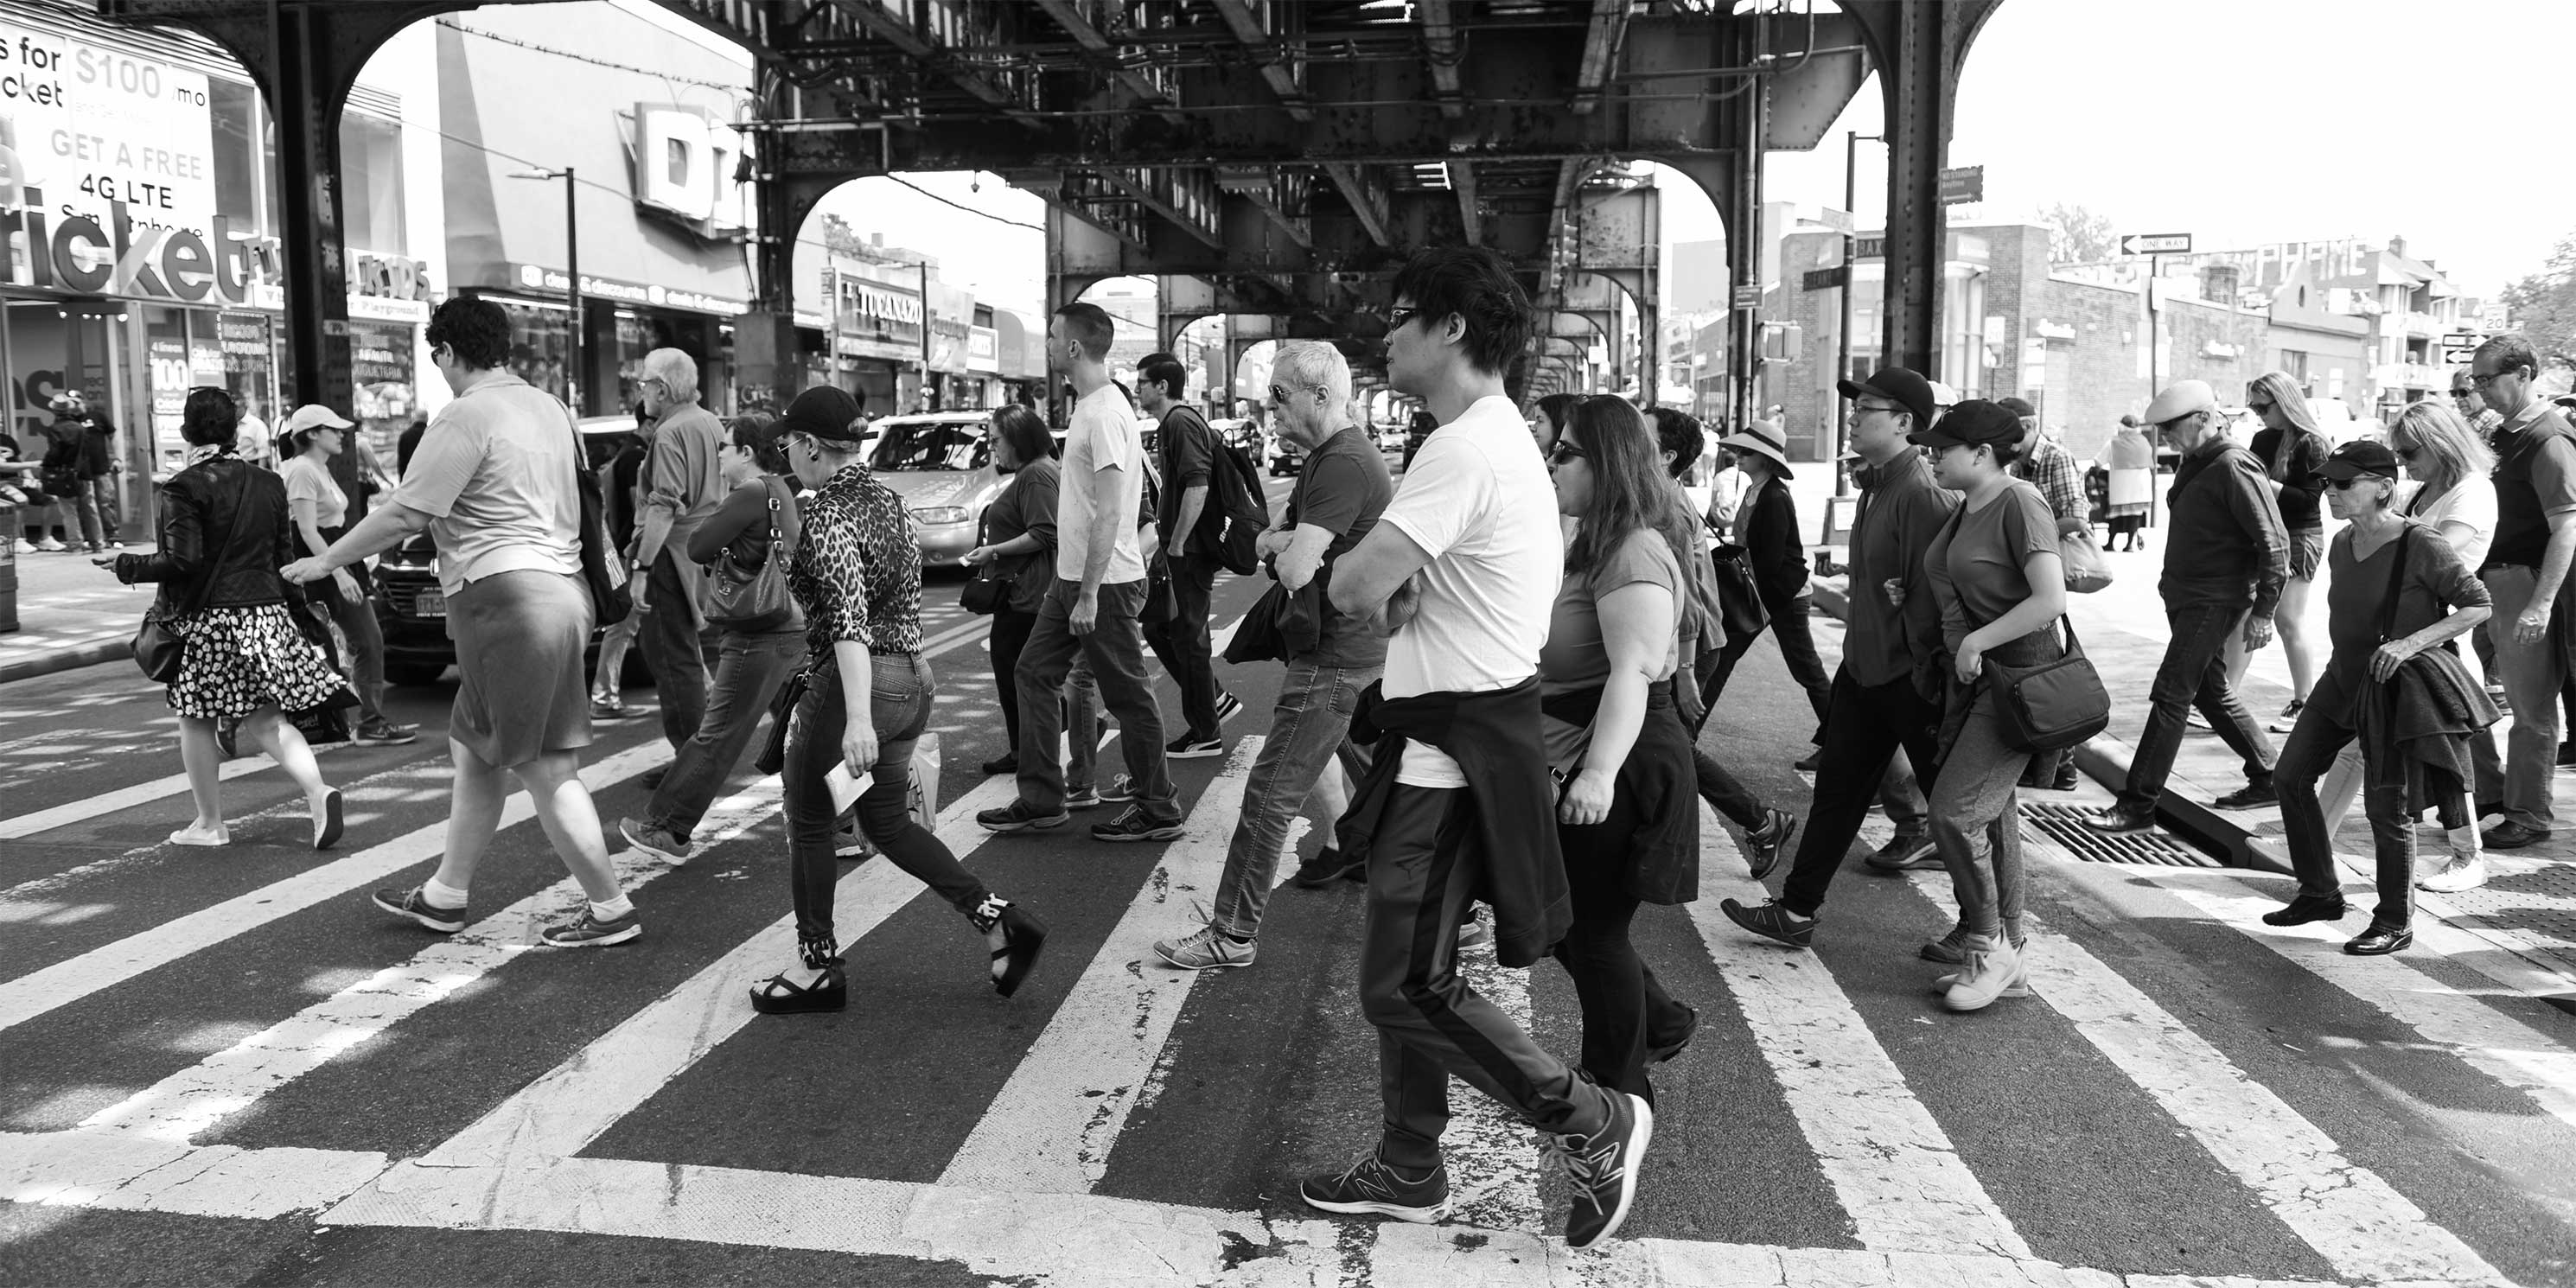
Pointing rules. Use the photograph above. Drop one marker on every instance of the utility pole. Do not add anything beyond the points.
(1842, 333)
(924, 267)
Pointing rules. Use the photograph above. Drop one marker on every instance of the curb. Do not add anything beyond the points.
(2106, 759)
(65, 659)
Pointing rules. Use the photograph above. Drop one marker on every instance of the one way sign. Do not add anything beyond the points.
(2156, 244)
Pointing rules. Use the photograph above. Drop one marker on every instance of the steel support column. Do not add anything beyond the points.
(1919, 49)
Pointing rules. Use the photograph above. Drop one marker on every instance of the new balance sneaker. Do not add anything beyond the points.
(660, 842)
(1082, 798)
(1226, 706)
(1186, 747)
(1371, 1186)
(586, 930)
(1475, 934)
(1771, 920)
(1768, 841)
(1603, 1169)
(1120, 790)
(1133, 825)
(1328, 866)
(1019, 816)
(1205, 949)
(384, 733)
(408, 905)
(1904, 852)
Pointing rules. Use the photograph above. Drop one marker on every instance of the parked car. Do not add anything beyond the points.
(1280, 455)
(941, 463)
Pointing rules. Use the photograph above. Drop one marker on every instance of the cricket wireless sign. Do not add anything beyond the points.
(135, 260)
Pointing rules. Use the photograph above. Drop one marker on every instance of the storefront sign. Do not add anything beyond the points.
(873, 320)
(97, 128)
(553, 281)
(983, 350)
(388, 277)
(133, 258)
(684, 164)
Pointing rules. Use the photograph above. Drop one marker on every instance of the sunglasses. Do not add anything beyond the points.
(1567, 452)
(1399, 315)
(2408, 452)
(2259, 409)
(2345, 485)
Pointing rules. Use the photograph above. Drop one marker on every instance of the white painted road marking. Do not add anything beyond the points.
(123, 798)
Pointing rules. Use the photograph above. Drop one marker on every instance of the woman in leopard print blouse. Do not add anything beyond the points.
(858, 578)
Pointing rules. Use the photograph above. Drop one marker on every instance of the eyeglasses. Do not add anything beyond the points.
(1567, 452)
(2407, 452)
(2259, 409)
(2462, 392)
(1860, 408)
(2481, 382)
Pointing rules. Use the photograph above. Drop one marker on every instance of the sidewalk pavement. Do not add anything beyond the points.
(2528, 905)
(71, 613)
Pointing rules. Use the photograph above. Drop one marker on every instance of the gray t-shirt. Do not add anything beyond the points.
(1342, 489)
(495, 474)
(1975, 566)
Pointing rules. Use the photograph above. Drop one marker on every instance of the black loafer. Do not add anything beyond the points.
(2304, 909)
(2379, 941)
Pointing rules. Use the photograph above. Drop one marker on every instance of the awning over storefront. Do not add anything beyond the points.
(1020, 346)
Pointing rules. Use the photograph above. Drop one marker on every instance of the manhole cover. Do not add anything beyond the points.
(2064, 824)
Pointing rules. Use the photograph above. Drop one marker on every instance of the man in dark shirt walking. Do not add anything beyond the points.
(2526, 574)
(2228, 551)
(1187, 451)
(1877, 704)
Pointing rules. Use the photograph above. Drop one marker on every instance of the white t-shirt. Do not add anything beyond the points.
(1479, 501)
(1102, 437)
(2471, 502)
(307, 480)
(251, 442)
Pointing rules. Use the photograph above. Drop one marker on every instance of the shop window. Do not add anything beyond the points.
(384, 370)
(239, 136)
(371, 182)
(540, 344)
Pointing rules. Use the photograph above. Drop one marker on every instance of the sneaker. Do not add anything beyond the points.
(652, 778)
(1905, 852)
(608, 708)
(1227, 707)
(408, 905)
(2250, 796)
(2193, 719)
(1768, 841)
(1120, 790)
(660, 842)
(114, 544)
(1370, 1186)
(1771, 921)
(2289, 717)
(1328, 866)
(51, 546)
(1186, 747)
(850, 843)
(26, 547)
(2463, 874)
(1205, 949)
(1949, 950)
(1135, 826)
(1992, 970)
(1019, 816)
(2066, 780)
(385, 733)
(588, 931)
(1602, 1168)
(1006, 763)
(1670, 1045)
(1475, 934)
(1082, 798)
(2117, 819)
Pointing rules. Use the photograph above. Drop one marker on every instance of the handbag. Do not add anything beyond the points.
(2052, 704)
(983, 593)
(1159, 607)
(2086, 569)
(158, 650)
(757, 599)
(1740, 608)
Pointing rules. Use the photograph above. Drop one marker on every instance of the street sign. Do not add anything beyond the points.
(1825, 279)
(1869, 247)
(1962, 184)
(2458, 355)
(2454, 339)
(1748, 296)
(1838, 220)
(2156, 244)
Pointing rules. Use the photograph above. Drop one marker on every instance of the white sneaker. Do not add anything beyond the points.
(1992, 970)
(2463, 874)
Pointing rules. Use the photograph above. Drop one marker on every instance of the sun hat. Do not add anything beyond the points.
(1764, 438)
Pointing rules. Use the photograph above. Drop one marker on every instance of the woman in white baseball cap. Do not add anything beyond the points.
(320, 510)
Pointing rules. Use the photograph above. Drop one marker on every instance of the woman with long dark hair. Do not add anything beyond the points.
(224, 535)
(2292, 452)
(1019, 538)
(866, 700)
(1628, 816)
(311, 437)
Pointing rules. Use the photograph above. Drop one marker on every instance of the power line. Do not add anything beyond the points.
(737, 91)
(1015, 223)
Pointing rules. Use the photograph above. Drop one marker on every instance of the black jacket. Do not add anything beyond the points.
(97, 448)
(1494, 737)
(1771, 543)
(224, 534)
(2225, 542)
(1659, 780)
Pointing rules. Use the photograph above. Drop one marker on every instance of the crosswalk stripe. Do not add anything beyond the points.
(559, 1113)
(1493, 1156)
(188, 1102)
(121, 799)
(1051, 1127)
(134, 1174)
(2361, 1226)
(2496, 1044)
(1895, 1171)
(28, 996)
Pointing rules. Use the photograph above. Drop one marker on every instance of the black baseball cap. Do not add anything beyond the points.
(1974, 422)
(2359, 457)
(1907, 389)
(825, 412)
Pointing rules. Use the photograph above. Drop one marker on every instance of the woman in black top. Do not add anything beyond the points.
(1019, 538)
(224, 534)
(2292, 452)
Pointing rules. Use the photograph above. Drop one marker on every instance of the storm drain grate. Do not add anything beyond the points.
(2064, 825)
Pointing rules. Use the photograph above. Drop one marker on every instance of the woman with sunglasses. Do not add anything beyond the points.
(1628, 814)
(2457, 500)
(2292, 451)
(1996, 574)
(2400, 591)
(866, 699)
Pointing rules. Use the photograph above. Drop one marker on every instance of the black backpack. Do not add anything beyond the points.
(1237, 513)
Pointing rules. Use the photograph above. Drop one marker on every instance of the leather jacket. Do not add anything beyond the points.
(224, 534)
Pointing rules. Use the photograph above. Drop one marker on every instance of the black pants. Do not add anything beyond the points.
(1423, 868)
(1863, 728)
(1625, 1008)
(1010, 635)
(1797, 652)
(2194, 675)
(670, 640)
(1719, 788)
(2314, 743)
(1183, 645)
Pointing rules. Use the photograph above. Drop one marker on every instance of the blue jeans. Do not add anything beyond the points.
(749, 670)
(1307, 729)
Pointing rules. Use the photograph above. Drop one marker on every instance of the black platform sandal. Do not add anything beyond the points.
(779, 995)
(1022, 936)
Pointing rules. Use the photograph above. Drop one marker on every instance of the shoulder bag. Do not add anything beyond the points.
(2050, 705)
(752, 600)
(1739, 604)
(158, 651)
(2085, 567)
(603, 568)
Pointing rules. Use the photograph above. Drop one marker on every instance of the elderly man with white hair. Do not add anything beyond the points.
(683, 484)
(1341, 490)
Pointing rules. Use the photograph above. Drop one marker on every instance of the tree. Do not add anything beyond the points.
(2543, 306)
(841, 239)
(2077, 235)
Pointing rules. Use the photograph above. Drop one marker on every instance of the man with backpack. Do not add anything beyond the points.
(1190, 529)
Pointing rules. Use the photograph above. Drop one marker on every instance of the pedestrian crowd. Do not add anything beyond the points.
(1493, 674)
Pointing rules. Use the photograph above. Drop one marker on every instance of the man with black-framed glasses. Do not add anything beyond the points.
(2526, 575)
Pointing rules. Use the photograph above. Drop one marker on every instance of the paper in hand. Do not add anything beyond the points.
(845, 786)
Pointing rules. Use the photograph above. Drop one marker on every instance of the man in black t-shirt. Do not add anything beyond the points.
(1185, 455)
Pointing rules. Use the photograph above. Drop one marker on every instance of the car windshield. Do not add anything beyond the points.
(931, 446)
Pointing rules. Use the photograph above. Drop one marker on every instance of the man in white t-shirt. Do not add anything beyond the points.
(1093, 607)
(1463, 569)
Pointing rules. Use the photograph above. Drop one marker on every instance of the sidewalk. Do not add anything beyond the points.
(70, 614)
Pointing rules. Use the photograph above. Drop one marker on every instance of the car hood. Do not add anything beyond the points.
(923, 489)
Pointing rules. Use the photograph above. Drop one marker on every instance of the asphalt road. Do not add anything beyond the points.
(225, 1067)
